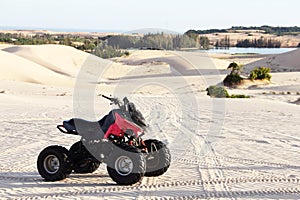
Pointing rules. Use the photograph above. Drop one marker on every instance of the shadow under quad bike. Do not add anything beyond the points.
(114, 140)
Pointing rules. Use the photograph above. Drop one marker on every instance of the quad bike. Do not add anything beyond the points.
(114, 140)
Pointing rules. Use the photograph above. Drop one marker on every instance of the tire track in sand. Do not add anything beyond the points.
(207, 194)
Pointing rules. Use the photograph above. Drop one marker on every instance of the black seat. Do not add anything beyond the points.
(69, 125)
(87, 129)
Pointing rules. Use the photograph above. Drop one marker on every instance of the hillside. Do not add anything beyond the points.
(264, 29)
(288, 36)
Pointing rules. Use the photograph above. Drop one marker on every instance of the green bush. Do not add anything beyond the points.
(217, 92)
(220, 92)
(105, 52)
(126, 53)
(239, 96)
(260, 73)
(232, 80)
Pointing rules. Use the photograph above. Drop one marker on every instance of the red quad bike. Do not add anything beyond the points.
(114, 140)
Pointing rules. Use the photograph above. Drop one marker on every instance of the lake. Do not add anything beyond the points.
(236, 50)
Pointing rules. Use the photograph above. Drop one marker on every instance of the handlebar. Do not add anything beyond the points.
(106, 97)
(126, 105)
(115, 101)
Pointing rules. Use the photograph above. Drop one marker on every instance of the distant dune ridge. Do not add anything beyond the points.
(285, 62)
(59, 65)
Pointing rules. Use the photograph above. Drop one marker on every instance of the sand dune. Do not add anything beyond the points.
(61, 59)
(285, 62)
(36, 63)
(20, 69)
(47, 64)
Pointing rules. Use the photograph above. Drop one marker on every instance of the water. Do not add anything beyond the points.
(60, 29)
(236, 50)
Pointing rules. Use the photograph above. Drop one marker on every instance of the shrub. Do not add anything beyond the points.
(260, 73)
(232, 80)
(126, 53)
(239, 96)
(221, 92)
(217, 92)
(234, 77)
(105, 52)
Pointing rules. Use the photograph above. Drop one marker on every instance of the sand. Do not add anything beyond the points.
(286, 62)
(221, 148)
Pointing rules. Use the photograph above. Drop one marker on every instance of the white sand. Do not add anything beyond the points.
(285, 62)
(19, 69)
(221, 149)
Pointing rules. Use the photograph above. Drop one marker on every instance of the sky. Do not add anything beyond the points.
(129, 15)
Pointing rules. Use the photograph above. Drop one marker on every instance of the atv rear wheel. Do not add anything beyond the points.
(158, 159)
(126, 165)
(83, 162)
(53, 163)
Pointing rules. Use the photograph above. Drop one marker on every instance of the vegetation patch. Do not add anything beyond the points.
(220, 92)
(259, 43)
(217, 92)
(105, 52)
(266, 29)
(234, 78)
(260, 73)
(110, 46)
(234, 96)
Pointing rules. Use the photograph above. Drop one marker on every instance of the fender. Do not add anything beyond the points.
(120, 126)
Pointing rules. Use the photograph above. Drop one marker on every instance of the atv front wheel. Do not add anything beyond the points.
(158, 159)
(83, 161)
(53, 163)
(126, 165)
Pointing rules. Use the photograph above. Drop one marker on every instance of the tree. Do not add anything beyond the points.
(217, 44)
(227, 41)
(105, 51)
(67, 41)
(204, 42)
(234, 78)
(259, 43)
(235, 68)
